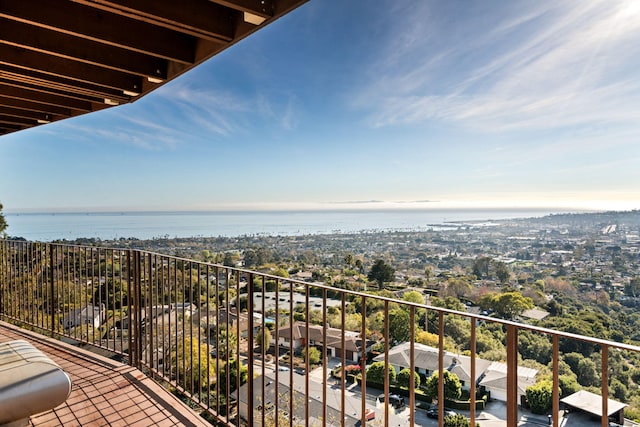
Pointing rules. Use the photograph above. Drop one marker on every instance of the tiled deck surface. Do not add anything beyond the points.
(104, 392)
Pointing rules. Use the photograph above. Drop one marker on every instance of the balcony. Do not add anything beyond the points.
(238, 346)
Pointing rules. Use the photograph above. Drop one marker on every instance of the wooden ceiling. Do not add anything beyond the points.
(64, 58)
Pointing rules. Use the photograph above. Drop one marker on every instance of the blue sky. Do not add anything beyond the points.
(341, 103)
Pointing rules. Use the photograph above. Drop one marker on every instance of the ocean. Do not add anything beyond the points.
(149, 225)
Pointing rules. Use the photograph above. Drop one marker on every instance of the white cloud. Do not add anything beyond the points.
(561, 65)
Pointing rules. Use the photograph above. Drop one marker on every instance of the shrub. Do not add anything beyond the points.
(539, 396)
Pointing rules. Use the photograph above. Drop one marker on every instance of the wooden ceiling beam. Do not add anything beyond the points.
(78, 49)
(60, 92)
(64, 58)
(101, 26)
(8, 128)
(17, 121)
(262, 8)
(27, 114)
(67, 68)
(61, 83)
(200, 18)
(35, 107)
(21, 93)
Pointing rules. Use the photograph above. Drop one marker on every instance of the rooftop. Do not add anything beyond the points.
(104, 392)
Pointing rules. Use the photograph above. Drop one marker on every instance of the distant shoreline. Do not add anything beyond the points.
(546, 210)
(50, 226)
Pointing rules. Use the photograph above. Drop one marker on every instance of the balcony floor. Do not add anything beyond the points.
(104, 392)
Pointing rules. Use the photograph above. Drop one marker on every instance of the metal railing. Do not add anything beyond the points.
(241, 344)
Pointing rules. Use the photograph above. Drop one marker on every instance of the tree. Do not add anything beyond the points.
(452, 385)
(534, 346)
(539, 396)
(266, 339)
(568, 385)
(193, 365)
(587, 373)
(502, 272)
(404, 376)
(381, 272)
(349, 259)
(511, 304)
(618, 390)
(230, 369)
(399, 327)
(3, 222)
(314, 355)
(413, 296)
(225, 342)
(229, 260)
(481, 267)
(375, 373)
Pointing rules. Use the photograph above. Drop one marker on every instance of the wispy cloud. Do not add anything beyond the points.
(553, 66)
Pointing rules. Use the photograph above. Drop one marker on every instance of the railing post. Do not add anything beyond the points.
(52, 289)
(441, 396)
(129, 309)
(136, 323)
(472, 386)
(605, 386)
(555, 405)
(3, 249)
(512, 375)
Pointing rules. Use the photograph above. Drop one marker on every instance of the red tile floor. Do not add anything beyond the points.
(104, 392)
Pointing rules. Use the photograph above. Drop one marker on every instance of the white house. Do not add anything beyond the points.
(490, 375)
(89, 315)
(426, 362)
(495, 380)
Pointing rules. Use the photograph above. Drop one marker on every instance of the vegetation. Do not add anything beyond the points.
(263, 336)
(375, 373)
(404, 378)
(198, 369)
(457, 420)
(3, 222)
(381, 272)
(452, 385)
(314, 355)
(539, 396)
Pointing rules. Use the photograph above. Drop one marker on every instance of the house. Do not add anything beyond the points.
(490, 375)
(89, 315)
(494, 380)
(314, 336)
(426, 362)
(237, 323)
(159, 313)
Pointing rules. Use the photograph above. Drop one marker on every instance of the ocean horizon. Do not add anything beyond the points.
(48, 226)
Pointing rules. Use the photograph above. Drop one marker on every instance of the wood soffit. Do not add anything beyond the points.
(64, 58)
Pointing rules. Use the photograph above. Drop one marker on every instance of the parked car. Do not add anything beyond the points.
(283, 368)
(433, 412)
(394, 400)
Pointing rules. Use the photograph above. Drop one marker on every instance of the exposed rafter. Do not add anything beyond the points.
(64, 58)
